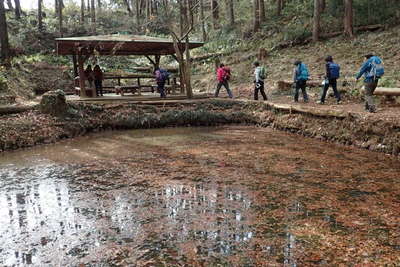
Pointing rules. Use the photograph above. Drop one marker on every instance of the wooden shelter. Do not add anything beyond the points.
(81, 48)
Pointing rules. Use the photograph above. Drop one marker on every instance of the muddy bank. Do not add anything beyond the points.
(32, 128)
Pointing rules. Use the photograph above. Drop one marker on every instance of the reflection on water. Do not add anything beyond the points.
(196, 197)
(43, 222)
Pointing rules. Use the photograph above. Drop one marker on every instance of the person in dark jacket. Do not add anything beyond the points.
(98, 80)
(332, 74)
(89, 75)
(161, 78)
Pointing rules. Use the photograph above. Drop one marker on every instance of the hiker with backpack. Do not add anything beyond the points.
(162, 76)
(332, 74)
(300, 77)
(260, 75)
(373, 70)
(223, 76)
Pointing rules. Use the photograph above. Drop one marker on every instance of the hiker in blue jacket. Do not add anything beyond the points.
(300, 77)
(373, 70)
(332, 74)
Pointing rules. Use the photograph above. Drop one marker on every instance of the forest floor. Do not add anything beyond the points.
(279, 64)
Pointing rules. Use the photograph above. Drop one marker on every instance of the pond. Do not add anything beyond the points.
(233, 196)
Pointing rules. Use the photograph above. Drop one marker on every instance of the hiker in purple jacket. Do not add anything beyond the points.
(161, 77)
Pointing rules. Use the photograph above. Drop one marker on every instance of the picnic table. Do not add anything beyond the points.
(138, 87)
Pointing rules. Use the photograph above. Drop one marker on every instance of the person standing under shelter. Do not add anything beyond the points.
(89, 75)
(332, 74)
(223, 76)
(260, 75)
(162, 76)
(300, 77)
(373, 70)
(98, 80)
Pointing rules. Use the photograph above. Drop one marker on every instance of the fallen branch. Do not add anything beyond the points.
(5, 110)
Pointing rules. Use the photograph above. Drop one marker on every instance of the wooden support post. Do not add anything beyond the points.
(157, 61)
(81, 76)
(139, 87)
(174, 85)
(74, 61)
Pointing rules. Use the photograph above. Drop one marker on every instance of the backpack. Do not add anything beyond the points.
(334, 70)
(302, 72)
(263, 73)
(377, 69)
(164, 75)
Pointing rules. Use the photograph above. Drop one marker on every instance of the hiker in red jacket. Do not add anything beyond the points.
(223, 76)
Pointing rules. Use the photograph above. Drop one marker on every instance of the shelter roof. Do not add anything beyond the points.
(118, 45)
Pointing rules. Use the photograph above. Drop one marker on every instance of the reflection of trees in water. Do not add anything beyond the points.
(43, 219)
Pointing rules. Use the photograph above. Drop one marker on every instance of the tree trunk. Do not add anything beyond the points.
(262, 12)
(40, 20)
(88, 7)
(348, 18)
(323, 5)
(231, 13)
(93, 16)
(128, 7)
(137, 13)
(60, 17)
(279, 7)
(215, 13)
(9, 4)
(316, 20)
(82, 11)
(203, 23)
(256, 6)
(5, 47)
(18, 9)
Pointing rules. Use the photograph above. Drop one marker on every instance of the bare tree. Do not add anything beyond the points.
(215, 13)
(10, 5)
(256, 9)
(5, 47)
(202, 21)
(262, 12)
(348, 18)
(231, 12)
(18, 9)
(60, 6)
(279, 7)
(40, 20)
(82, 11)
(93, 16)
(316, 20)
(128, 7)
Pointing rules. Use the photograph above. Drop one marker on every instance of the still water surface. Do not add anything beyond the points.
(234, 195)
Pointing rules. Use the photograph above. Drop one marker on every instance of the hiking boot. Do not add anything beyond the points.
(366, 107)
(338, 102)
(372, 110)
(320, 102)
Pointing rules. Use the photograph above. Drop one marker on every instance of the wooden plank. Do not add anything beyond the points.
(387, 91)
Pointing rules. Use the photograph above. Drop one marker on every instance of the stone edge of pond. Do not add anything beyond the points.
(333, 126)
